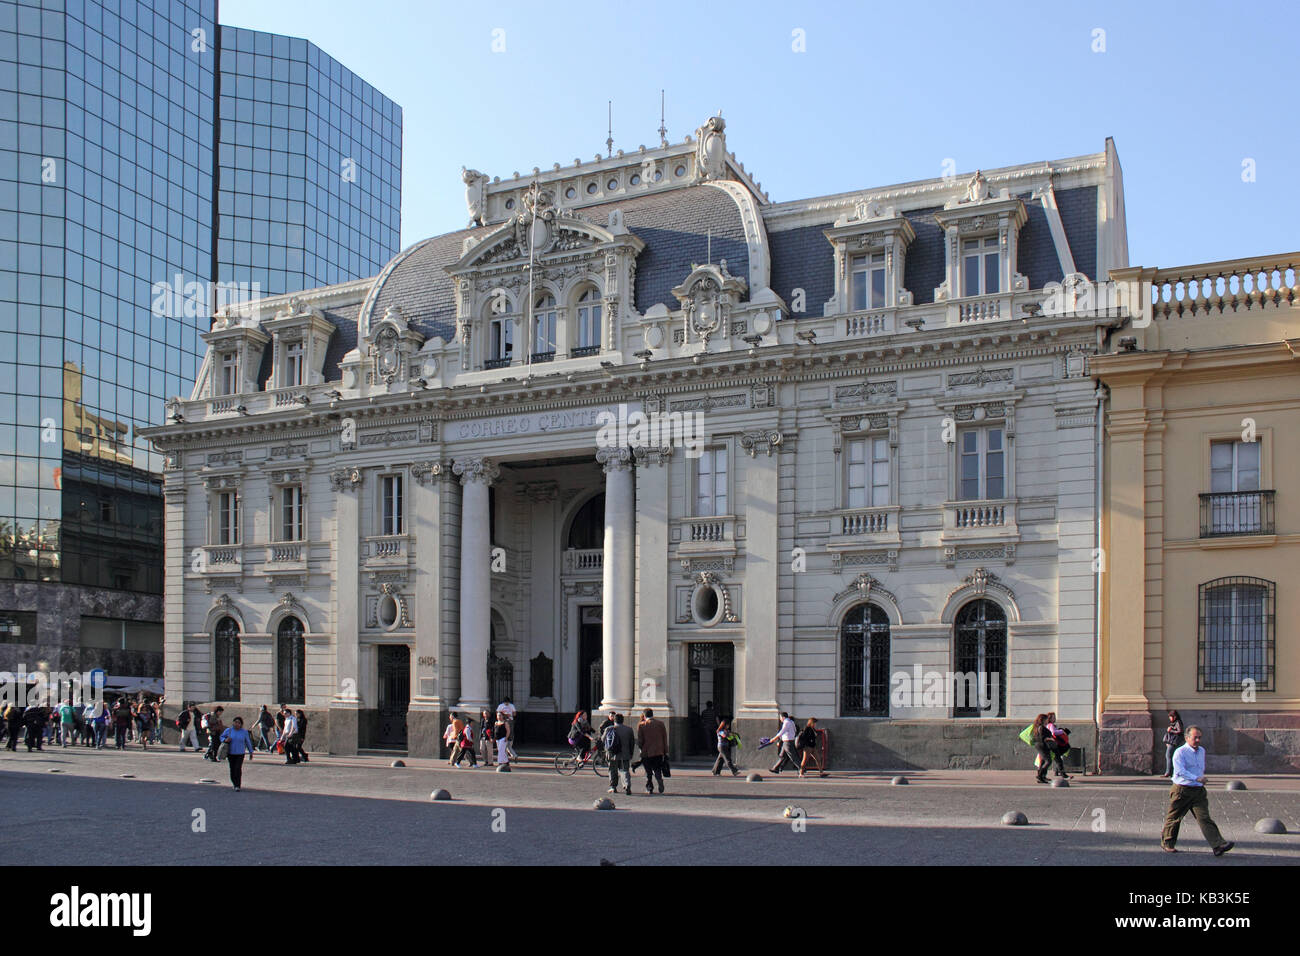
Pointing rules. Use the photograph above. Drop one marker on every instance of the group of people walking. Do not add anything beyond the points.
(490, 738)
(68, 725)
(620, 743)
(282, 732)
(1052, 743)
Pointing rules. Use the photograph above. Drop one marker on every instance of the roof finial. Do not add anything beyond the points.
(609, 142)
(663, 130)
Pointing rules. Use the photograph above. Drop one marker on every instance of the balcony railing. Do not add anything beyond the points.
(987, 519)
(1236, 285)
(581, 560)
(386, 550)
(492, 363)
(543, 357)
(864, 522)
(868, 323)
(706, 534)
(1236, 513)
(584, 350)
(979, 516)
(283, 553)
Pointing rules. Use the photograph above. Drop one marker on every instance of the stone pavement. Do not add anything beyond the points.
(341, 810)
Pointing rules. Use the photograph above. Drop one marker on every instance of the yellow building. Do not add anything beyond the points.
(1201, 590)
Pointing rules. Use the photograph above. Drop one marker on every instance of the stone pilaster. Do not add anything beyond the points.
(425, 710)
(345, 705)
(619, 580)
(762, 563)
(653, 607)
(476, 476)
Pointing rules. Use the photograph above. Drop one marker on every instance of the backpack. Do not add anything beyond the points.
(611, 742)
(183, 721)
(807, 737)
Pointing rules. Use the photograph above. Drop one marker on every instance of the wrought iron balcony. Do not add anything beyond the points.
(1225, 513)
(584, 350)
(543, 357)
(503, 362)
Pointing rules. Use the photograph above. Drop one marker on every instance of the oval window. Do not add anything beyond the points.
(612, 184)
(389, 611)
(510, 204)
(635, 180)
(591, 189)
(707, 605)
(679, 172)
(570, 193)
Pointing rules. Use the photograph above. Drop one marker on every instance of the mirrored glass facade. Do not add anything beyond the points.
(310, 167)
(141, 161)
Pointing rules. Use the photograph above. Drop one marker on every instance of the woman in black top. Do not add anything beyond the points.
(302, 735)
(1173, 740)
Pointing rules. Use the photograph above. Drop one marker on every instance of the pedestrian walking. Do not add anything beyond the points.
(299, 745)
(144, 720)
(1173, 740)
(289, 734)
(486, 738)
(652, 738)
(1188, 796)
(34, 724)
(726, 741)
(466, 748)
(1038, 739)
(1058, 742)
(121, 722)
(214, 725)
(13, 722)
(266, 729)
(507, 707)
(619, 742)
(501, 736)
(784, 739)
(100, 723)
(67, 721)
(239, 744)
(809, 744)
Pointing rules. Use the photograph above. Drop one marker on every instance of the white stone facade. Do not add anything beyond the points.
(440, 478)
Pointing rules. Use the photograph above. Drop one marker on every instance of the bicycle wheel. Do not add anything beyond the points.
(566, 764)
(600, 764)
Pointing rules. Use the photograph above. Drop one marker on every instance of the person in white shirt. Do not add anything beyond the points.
(507, 709)
(1188, 796)
(290, 731)
(784, 739)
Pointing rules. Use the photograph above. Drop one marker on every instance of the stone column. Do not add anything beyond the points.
(476, 475)
(654, 606)
(423, 715)
(619, 580)
(345, 705)
(762, 565)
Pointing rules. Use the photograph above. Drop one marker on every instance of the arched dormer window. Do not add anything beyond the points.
(588, 314)
(545, 317)
(500, 332)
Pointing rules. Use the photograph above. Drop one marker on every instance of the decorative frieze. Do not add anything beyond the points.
(708, 403)
(981, 377)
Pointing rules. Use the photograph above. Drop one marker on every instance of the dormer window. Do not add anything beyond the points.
(980, 266)
(868, 281)
(589, 307)
(544, 326)
(500, 342)
(229, 373)
(293, 365)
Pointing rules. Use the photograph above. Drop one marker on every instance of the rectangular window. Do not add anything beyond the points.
(391, 490)
(228, 518)
(293, 359)
(711, 483)
(1234, 466)
(980, 266)
(1236, 504)
(981, 464)
(867, 482)
(291, 527)
(230, 373)
(589, 326)
(1237, 624)
(500, 342)
(868, 281)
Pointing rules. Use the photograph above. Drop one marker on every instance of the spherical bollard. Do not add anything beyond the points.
(1014, 818)
(504, 768)
(604, 803)
(398, 763)
(1270, 825)
(1060, 782)
(53, 770)
(1235, 785)
(754, 778)
(899, 781)
(127, 776)
(206, 780)
(440, 794)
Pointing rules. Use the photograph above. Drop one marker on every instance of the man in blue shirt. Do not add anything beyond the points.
(1188, 794)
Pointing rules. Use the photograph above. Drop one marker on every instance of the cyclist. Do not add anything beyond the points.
(581, 734)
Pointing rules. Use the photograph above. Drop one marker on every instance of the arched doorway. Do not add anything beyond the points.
(980, 653)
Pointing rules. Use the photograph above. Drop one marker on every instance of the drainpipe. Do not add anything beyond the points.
(1099, 461)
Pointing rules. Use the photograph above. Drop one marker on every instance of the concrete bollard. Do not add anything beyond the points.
(398, 763)
(1014, 818)
(1060, 782)
(440, 794)
(504, 768)
(604, 803)
(899, 781)
(754, 778)
(1270, 825)
(1235, 785)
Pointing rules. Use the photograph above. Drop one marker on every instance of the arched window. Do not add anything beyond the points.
(589, 312)
(980, 634)
(501, 326)
(227, 658)
(864, 655)
(544, 321)
(290, 656)
(587, 530)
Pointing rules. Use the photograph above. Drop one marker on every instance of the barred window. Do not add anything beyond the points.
(981, 653)
(227, 658)
(1237, 630)
(291, 662)
(864, 650)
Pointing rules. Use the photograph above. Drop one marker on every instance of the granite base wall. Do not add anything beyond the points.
(1236, 741)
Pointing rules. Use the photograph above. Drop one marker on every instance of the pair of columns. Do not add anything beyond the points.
(619, 583)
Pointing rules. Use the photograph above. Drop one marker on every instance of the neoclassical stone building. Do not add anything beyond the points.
(869, 466)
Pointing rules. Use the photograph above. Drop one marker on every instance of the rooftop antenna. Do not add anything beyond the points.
(709, 247)
(663, 130)
(609, 143)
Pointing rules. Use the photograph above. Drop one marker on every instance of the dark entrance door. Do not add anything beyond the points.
(590, 652)
(711, 693)
(394, 695)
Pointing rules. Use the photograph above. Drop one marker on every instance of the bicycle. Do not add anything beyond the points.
(573, 761)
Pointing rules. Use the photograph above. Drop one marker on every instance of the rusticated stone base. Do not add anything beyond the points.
(1238, 741)
(424, 732)
(344, 730)
(1126, 741)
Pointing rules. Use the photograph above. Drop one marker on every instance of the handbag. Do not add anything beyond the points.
(224, 750)
(667, 770)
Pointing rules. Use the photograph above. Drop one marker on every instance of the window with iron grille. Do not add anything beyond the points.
(290, 647)
(980, 633)
(227, 658)
(1237, 629)
(864, 652)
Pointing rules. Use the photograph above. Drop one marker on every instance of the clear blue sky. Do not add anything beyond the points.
(883, 94)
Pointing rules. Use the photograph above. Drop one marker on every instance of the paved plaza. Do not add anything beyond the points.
(349, 810)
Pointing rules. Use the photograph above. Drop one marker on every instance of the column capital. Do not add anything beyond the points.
(346, 479)
(648, 455)
(614, 459)
(476, 469)
(432, 471)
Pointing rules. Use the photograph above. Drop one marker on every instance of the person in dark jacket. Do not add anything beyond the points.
(652, 738)
(215, 726)
(302, 737)
(266, 729)
(1173, 740)
(1038, 737)
(14, 720)
(620, 756)
(34, 722)
(121, 722)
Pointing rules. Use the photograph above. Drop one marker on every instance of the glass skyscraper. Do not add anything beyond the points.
(152, 162)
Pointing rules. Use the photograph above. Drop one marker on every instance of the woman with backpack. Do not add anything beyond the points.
(1038, 740)
(1173, 740)
(1058, 742)
(238, 743)
(144, 723)
(726, 741)
(465, 745)
(809, 742)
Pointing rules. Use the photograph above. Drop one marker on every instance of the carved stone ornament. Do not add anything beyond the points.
(475, 194)
(765, 439)
(426, 471)
(865, 585)
(346, 479)
(647, 455)
(980, 582)
(711, 149)
(224, 603)
(387, 357)
(614, 459)
(978, 189)
(711, 579)
(476, 469)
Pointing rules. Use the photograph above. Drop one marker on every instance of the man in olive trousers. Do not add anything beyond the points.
(1188, 795)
